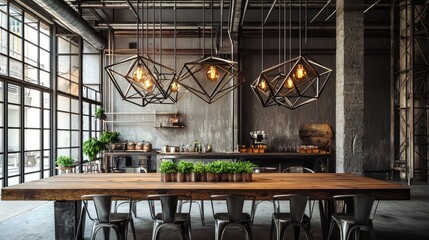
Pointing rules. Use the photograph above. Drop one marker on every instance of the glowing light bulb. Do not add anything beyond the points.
(263, 85)
(147, 83)
(300, 72)
(138, 74)
(174, 87)
(289, 83)
(212, 74)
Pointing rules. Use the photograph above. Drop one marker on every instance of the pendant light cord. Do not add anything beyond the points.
(262, 38)
(300, 20)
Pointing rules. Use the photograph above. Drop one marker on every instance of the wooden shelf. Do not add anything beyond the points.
(169, 126)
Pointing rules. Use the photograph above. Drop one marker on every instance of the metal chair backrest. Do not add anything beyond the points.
(169, 203)
(362, 206)
(235, 205)
(297, 205)
(297, 169)
(103, 206)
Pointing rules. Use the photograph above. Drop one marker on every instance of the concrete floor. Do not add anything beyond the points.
(394, 220)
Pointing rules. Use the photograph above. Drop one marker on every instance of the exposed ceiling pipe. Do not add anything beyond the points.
(72, 20)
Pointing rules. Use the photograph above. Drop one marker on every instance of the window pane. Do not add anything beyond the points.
(64, 139)
(1, 143)
(14, 94)
(1, 167)
(74, 89)
(31, 74)
(15, 24)
(1, 115)
(33, 97)
(74, 106)
(13, 180)
(13, 162)
(31, 54)
(63, 85)
(75, 122)
(74, 47)
(45, 42)
(64, 67)
(63, 120)
(46, 139)
(3, 14)
(85, 123)
(3, 41)
(45, 29)
(46, 156)
(75, 139)
(74, 153)
(45, 60)
(15, 46)
(32, 176)
(85, 108)
(15, 69)
(46, 119)
(30, 29)
(32, 139)
(32, 118)
(64, 152)
(63, 103)
(91, 65)
(14, 116)
(32, 162)
(46, 100)
(74, 76)
(3, 65)
(63, 45)
(45, 79)
(14, 140)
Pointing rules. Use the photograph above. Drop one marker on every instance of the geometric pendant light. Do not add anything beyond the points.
(210, 78)
(293, 83)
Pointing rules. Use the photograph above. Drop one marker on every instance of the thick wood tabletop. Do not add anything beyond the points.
(264, 186)
(237, 155)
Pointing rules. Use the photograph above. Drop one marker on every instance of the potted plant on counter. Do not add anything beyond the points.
(214, 170)
(92, 147)
(247, 171)
(109, 139)
(184, 169)
(197, 173)
(65, 164)
(168, 171)
(99, 113)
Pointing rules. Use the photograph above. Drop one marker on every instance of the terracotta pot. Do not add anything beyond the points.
(211, 177)
(196, 177)
(188, 177)
(168, 177)
(238, 177)
(181, 177)
(247, 177)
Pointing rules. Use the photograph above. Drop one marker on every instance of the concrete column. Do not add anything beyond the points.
(349, 86)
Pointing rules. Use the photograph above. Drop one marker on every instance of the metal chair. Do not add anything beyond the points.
(355, 221)
(169, 217)
(200, 204)
(294, 215)
(105, 219)
(234, 215)
(294, 169)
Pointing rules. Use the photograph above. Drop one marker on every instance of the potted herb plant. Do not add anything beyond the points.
(168, 171)
(197, 173)
(225, 167)
(65, 164)
(92, 147)
(247, 171)
(214, 170)
(238, 171)
(184, 169)
(109, 139)
(99, 113)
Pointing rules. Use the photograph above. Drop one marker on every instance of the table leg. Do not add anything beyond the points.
(66, 214)
(326, 209)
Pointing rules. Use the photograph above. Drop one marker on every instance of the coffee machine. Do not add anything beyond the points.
(258, 137)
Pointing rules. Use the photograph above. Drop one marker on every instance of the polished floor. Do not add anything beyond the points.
(394, 220)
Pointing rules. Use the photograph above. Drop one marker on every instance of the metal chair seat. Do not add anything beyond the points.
(235, 217)
(358, 219)
(292, 214)
(104, 218)
(169, 217)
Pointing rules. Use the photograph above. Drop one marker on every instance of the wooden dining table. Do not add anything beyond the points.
(66, 190)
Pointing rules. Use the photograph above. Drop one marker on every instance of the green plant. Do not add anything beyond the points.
(167, 167)
(109, 137)
(91, 147)
(198, 167)
(248, 167)
(99, 113)
(64, 161)
(184, 166)
(214, 167)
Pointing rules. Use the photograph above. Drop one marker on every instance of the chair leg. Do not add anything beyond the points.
(271, 229)
(296, 230)
(202, 212)
(307, 231)
(331, 229)
(133, 229)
